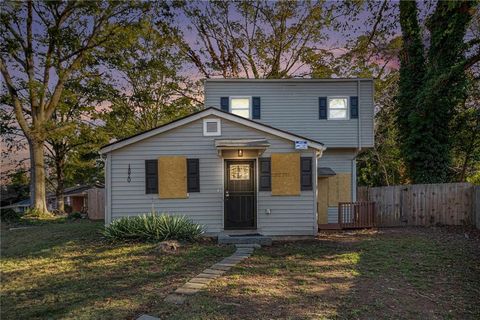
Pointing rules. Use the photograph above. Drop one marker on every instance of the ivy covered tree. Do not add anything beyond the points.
(431, 89)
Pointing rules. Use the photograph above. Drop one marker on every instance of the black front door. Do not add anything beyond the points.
(240, 195)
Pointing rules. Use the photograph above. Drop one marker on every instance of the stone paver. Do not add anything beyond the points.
(147, 317)
(175, 299)
(208, 275)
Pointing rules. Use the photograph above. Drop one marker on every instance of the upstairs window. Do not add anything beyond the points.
(240, 106)
(338, 108)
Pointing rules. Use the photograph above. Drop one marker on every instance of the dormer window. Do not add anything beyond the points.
(240, 106)
(338, 108)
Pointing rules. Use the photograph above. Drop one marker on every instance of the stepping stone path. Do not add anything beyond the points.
(208, 275)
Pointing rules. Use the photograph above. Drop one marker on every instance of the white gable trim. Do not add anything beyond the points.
(202, 114)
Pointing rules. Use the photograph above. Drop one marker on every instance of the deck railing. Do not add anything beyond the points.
(353, 215)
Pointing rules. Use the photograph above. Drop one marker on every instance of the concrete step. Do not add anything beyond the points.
(238, 239)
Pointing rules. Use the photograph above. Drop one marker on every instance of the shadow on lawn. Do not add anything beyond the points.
(87, 278)
(359, 276)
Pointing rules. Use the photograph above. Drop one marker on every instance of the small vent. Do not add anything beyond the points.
(212, 127)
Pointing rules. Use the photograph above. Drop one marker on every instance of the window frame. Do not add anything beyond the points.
(347, 107)
(230, 105)
(212, 134)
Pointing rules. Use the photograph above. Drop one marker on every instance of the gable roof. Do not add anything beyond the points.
(209, 112)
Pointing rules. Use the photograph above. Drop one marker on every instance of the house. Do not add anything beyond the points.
(19, 207)
(273, 157)
(75, 198)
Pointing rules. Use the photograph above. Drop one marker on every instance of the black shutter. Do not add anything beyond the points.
(256, 108)
(322, 108)
(193, 175)
(224, 104)
(353, 107)
(306, 173)
(265, 174)
(151, 176)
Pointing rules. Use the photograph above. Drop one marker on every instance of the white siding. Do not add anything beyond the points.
(289, 215)
(293, 106)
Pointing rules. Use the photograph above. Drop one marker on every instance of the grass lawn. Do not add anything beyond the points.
(393, 274)
(66, 270)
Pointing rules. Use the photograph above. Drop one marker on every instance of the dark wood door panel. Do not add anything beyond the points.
(240, 194)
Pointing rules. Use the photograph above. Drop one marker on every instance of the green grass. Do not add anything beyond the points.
(67, 271)
(406, 274)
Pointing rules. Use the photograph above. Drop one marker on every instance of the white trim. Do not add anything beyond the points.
(108, 190)
(212, 134)
(210, 112)
(347, 108)
(241, 97)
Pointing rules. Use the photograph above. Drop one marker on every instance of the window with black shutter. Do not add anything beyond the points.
(265, 174)
(306, 173)
(151, 176)
(256, 111)
(353, 107)
(224, 104)
(322, 108)
(193, 175)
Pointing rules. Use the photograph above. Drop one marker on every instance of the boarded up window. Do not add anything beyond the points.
(151, 176)
(173, 177)
(285, 174)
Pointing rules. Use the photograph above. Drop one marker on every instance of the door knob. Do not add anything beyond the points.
(227, 194)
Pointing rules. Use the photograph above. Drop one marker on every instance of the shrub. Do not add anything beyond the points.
(153, 227)
(75, 215)
(9, 215)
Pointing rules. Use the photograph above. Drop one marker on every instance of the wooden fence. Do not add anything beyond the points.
(422, 204)
(356, 215)
(96, 203)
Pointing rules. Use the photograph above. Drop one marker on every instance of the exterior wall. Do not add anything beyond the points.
(341, 161)
(285, 100)
(289, 215)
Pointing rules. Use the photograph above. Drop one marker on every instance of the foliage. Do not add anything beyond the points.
(153, 227)
(429, 92)
(75, 215)
(43, 45)
(146, 88)
(36, 214)
(15, 186)
(382, 164)
(9, 215)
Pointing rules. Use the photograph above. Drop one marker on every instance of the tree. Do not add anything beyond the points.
(43, 44)
(430, 91)
(256, 39)
(75, 140)
(148, 89)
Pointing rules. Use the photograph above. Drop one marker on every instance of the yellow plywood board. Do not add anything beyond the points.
(172, 177)
(322, 201)
(333, 191)
(344, 187)
(339, 189)
(285, 174)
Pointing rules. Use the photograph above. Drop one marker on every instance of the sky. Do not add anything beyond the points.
(337, 40)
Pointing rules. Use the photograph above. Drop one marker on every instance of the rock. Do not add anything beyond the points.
(169, 246)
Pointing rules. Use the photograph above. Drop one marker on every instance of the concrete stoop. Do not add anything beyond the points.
(244, 239)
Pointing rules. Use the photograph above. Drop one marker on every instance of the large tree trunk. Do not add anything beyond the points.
(32, 173)
(60, 186)
(38, 164)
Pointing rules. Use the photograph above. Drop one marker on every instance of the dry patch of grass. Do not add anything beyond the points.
(401, 274)
(66, 270)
